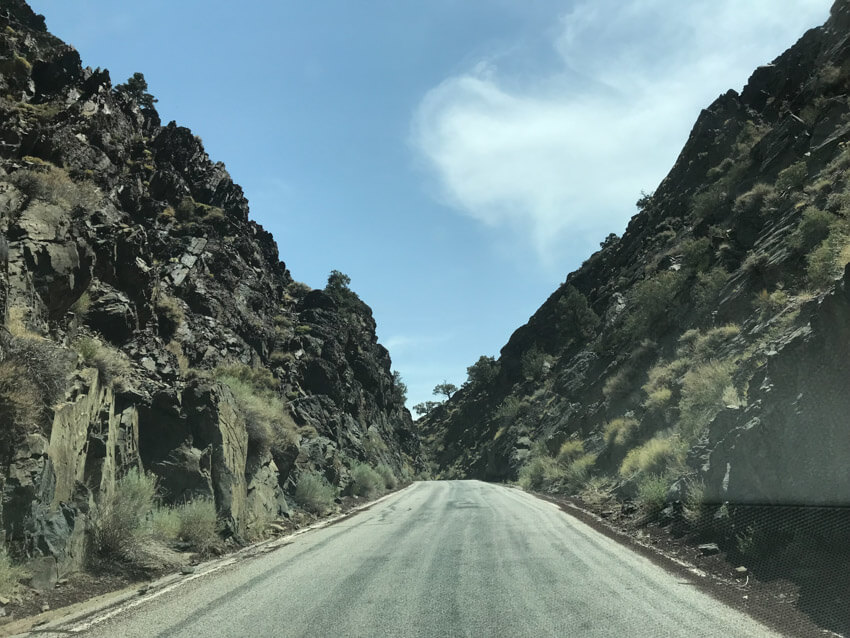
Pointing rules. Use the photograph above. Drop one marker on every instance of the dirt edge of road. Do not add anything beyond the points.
(768, 603)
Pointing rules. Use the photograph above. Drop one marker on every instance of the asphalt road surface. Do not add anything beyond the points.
(448, 558)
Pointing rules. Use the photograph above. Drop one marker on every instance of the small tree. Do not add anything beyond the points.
(445, 388)
(399, 387)
(136, 87)
(483, 371)
(576, 319)
(425, 407)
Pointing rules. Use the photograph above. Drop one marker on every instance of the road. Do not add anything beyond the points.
(449, 558)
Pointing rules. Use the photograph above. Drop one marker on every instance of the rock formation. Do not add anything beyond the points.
(150, 323)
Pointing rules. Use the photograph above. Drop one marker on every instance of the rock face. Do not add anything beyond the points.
(131, 273)
(708, 345)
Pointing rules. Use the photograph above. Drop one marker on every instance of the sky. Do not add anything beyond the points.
(456, 158)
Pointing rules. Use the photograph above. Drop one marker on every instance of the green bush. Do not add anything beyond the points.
(657, 400)
(164, 523)
(485, 370)
(314, 493)
(576, 319)
(365, 481)
(770, 304)
(509, 409)
(792, 178)
(694, 508)
(619, 384)
(650, 305)
(533, 364)
(696, 254)
(576, 474)
(706, 290)
(813, 228)
(652, 493)
(570, 451)
(119, 520)
(704, 392)
(374, 445)
(754, 200)
(653, 457)
(198, 524)
(537, 472)
(387, 475)
(711, 202)
(620, 431)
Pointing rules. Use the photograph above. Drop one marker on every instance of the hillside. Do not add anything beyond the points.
(696, 367)
(150, 326)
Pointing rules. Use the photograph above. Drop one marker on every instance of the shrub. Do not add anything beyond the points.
(119, 519)
(652, 493)
(792, 178)
(621, 431)
(653, 457)
(650, 303)
(198, 524)
(576, 318)
(374, 445)
(813, 228)
(707, 289)
(53, 185)
(108, 361)
(365, 480)
(537, 472)
(533, 364)
(170, 314)
(657, 400)
(703, 391)
(509, 409)
(164, 523)
(314, 493)
(81, 306)
(770, 304)
(267, 419)
(10, 575)
(694, 507)
(570, 451)
(387, 475)
(664, 375)
(753, 201)
(575, 475)
(696, 254)
(709, 203)
(705, 346)
(45, 365)
(597, 491)
(618, 384)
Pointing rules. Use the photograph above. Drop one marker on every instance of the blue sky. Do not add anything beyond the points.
(457, 158)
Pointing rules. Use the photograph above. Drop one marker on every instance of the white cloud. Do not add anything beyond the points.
(564, 156)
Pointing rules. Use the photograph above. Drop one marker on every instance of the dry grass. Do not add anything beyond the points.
(110, 363)
(365, 480)
(314, 493)
(10, 575)
(620, 431)
(119, 519)
(653, 457)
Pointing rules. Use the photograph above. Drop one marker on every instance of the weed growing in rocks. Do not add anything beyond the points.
(314, 493)
(365, 480)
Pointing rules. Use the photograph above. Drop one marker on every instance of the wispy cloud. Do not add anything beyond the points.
(563, 156)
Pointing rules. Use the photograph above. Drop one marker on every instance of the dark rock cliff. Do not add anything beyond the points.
(149, 322)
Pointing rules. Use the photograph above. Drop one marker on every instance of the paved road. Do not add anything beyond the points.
(452, 558)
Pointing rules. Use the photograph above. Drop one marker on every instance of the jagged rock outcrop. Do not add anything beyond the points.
(129, 262)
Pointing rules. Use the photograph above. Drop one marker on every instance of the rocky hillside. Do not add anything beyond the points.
(699, 363)
(150, 325)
